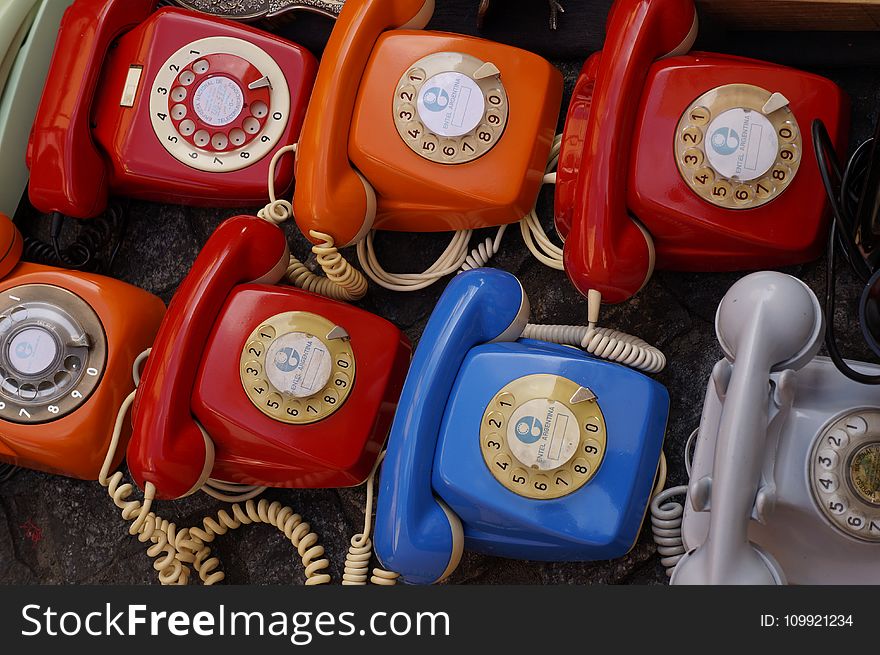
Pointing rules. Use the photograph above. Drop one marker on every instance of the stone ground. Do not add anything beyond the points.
(57, 530)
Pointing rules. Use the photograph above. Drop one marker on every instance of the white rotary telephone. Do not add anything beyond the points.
(785, 481)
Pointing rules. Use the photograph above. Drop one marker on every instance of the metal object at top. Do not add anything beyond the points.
(249, 10)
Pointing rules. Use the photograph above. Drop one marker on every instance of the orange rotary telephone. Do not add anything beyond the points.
(420, 131)
(172, 106)
(258, 384)
(67, 344)
(698, 161)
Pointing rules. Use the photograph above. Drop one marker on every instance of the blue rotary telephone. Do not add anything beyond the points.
(515, 448)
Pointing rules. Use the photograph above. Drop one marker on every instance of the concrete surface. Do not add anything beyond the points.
(56, 530)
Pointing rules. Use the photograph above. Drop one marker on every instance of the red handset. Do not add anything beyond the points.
(174, 106)
(168, 447)
(68, 173)
(606, 250)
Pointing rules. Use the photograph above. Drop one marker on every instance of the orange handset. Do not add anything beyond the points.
(420, 131)
(67, 344)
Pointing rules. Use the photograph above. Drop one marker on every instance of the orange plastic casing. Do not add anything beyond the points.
(76, 444)
(418, 195)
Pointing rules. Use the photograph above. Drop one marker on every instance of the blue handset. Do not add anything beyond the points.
(520, 449)
(419, 534)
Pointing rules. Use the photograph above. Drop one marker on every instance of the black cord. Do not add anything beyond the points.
(83, 253)
(7, 471)
(841, 195)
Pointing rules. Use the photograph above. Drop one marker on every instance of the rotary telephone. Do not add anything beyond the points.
(27, 31)
(785, 480)
(514, 448)
(687, 161)
(420, 131)
(67, 344)
(172, 106)
(256, 384)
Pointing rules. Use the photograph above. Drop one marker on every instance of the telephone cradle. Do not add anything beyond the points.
(785, 481)
(512, 447)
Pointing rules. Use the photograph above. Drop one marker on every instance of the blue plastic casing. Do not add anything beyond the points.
(435, 478)
(602, 519)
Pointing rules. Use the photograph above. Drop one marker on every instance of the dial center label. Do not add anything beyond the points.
(741, 144)
(298, 364)
(218, 101)
(451, 104)
(32, 351)
(543, 433)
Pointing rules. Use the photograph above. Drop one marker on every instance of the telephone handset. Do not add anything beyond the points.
(515, 448)
(705, 172)
(465, 142)
(785, 480)
(172, 106)
(67, 343)
(27, 32)
(258, 384)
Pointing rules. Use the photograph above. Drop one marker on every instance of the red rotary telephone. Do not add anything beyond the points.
(262, 385)
(173, 106)
(693, 162)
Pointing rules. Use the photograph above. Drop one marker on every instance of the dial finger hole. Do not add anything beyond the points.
(236, 137)
(19, 314)
(27, 392)
(259, 109)
(186, 78)
(62, 379)
(219, 141)
(178, 94)
(202, 138)
(251, 125)
(187, 127)
(201, 67)
(178, 112)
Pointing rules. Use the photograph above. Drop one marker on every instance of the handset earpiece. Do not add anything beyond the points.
(168, 447)
(330, 196)
(606, 249)
(767, 322)
(67, 172)
(417, 535)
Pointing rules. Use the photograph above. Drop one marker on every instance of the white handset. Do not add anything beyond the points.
(767, 322)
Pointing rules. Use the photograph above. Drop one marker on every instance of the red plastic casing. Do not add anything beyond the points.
(620, 164)
(337, 451)
(191, 418)
(122, 153)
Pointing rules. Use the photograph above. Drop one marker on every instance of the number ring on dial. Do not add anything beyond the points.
(306, 352)
(733, 155)
(201, 158)
(440, 90)
(549, 421)
(37, 318)
(844, 474)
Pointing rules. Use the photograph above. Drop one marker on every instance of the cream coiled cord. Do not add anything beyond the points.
(666, 517)
(357, 562)
(342, 281)
(175, 549)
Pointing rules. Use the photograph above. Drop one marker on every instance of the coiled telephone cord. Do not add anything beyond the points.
(193, 543)
(175, 549)
(457, 257)
(666, 517)
(342, 281)
(605, 343)
(357, 562)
